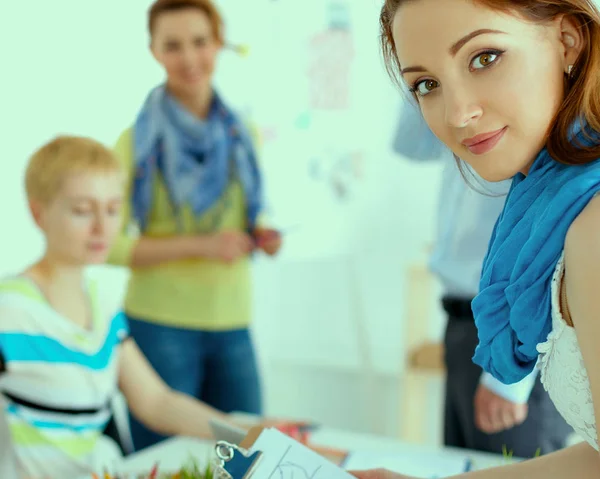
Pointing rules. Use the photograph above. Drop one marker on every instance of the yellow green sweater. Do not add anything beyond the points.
(194, 293)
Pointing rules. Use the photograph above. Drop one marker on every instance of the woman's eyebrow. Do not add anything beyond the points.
(455, 48)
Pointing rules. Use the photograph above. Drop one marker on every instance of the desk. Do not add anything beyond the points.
(173, 453)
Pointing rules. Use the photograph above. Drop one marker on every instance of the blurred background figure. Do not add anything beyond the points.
(192, 220)
(64, 355)
(479, 411)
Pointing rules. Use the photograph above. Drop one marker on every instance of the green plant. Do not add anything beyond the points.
(507, 455)
(194, 471)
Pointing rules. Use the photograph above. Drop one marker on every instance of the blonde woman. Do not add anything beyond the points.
(62, 355)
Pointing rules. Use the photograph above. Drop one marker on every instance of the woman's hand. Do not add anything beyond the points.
(228, 246)
(298, 430)
(268, 240)
(379, 474)
(301, 432)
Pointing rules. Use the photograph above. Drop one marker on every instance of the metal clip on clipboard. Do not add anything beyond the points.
(267, 453)
(235, 462)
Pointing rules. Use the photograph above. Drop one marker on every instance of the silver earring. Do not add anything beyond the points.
(569, 70)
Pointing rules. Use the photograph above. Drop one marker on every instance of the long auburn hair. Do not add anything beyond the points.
(582, 98)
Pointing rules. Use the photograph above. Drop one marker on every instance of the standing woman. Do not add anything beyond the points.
(192, 221)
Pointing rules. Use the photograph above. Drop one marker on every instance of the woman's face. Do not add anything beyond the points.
(80, 224)
(184, 43)
(488, 83)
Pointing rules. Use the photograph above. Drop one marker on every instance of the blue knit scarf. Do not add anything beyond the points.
(196, 158)
(513, 309)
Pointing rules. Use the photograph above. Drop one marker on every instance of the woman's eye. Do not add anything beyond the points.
(81, 212)
(484, 60)
(171, 47)
(424, 87)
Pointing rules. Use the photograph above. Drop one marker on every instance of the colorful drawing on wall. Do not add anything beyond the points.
(341, 172)
(331, 57)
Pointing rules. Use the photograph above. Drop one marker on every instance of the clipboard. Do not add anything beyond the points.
(266, 453)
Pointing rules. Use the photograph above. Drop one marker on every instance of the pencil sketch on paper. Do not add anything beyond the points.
(287, 469)
(284, 458)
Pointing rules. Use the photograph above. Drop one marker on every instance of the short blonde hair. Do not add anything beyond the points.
(61, 156)
(207, 6)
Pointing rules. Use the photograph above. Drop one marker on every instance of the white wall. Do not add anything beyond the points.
(83, 67)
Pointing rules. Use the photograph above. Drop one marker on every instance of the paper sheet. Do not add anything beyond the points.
(410, 463)
(284, 458)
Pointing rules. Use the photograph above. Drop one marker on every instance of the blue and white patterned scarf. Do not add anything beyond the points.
(196, 158)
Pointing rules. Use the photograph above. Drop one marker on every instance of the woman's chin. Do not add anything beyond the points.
(94, 259)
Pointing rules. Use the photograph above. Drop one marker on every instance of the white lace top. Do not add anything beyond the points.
(563, 372)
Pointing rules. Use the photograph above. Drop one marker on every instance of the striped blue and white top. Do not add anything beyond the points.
(56, 381)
